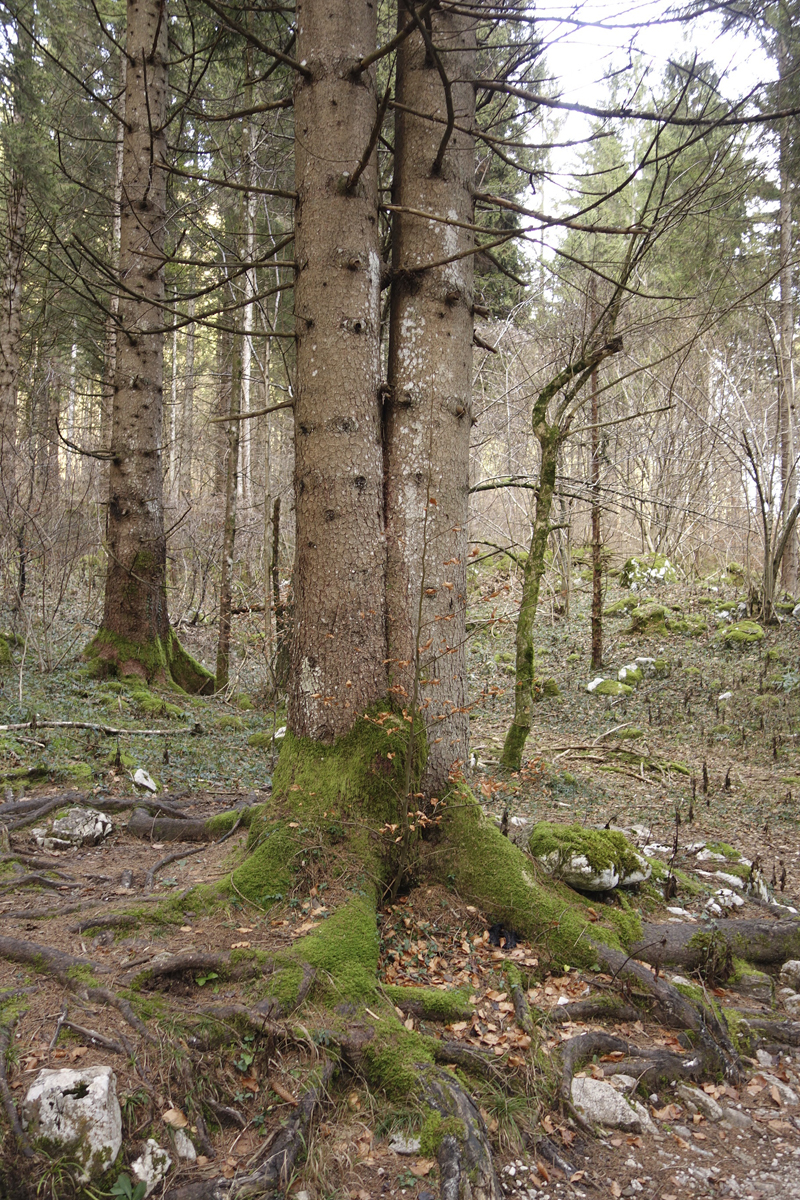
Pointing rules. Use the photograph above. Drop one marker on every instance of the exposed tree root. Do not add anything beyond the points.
(283, 1154)
(471, 1059)
(465, 1162)
(166, 829)
(606, 1007)
(198, 960)
(99, 1039)
(164, 862)
(758, 941)
(35, 879)
(6, 1033)
(47, 959)
(648, 1065)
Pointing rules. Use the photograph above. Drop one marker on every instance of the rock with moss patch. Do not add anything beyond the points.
(592, 860)
(649, 617)
(76, 1111)
(609, 687)
(631, 674)
(151, 1166)
(5, 653)
(654, 568)
(741, 633)
(621, 608)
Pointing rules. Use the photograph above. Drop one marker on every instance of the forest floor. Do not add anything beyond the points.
(633, 761)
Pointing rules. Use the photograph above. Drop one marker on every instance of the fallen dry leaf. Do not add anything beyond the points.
(240, 945)
(175, 1118)
(616, 1190)
(422, 1167)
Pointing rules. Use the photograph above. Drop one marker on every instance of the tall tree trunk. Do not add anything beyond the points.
(10, 335)
(229, 528)
(187, 430)
(338, 651)
(786, 389)
(135, 636)
(597, 541)
(429, 404)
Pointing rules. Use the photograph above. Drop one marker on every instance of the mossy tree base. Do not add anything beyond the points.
(162, 661)
(335, 814)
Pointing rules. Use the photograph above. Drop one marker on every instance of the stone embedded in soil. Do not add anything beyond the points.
(79, 1110)
(78, 827)
(404, 1145)
(790, 974)
(599, 1102)
(703, 1103)
(151, 1166)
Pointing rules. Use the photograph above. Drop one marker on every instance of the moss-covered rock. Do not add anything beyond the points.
(653, 568)
(261, 740)
(609, 687)
(692, 624)
(648, 618)
(630, 674)
(5, 652)
(547, 688)
(621, 608)
(590, 859)
(740, 634)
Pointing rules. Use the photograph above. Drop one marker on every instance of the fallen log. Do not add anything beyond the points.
(756, 941)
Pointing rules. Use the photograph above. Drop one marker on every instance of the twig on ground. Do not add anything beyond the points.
(6, 1032)
(163, 862)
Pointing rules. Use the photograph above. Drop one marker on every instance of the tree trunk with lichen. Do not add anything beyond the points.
(339, 639)
(135, 635)
(429, 398)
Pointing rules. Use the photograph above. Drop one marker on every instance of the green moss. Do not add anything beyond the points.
(549, 688)
(5, 653)
(223, 822)
(344, 950)
(164, 661)
(692, 624)
(77, 772)
(82, 973)
(648, 618)
(126, 760)
(680, 768)
(612, 687)
(602, 848)
(435, 1128)
(488, 869)
(621, 608)
(438, 1004)
(630, 675)
(761, 703)
(243, 702)
(261, 740)
(229, 722)
(267, 873)
(632, 731)
(740, 634)
(723, 848)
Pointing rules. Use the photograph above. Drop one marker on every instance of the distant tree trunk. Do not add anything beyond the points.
(338, 652)
(597, 542)
(229, 529)
(223, 406)
(11, 333)
(187, 423)
(786, 388)
(550, 438)
(135, 635)
(429, 404)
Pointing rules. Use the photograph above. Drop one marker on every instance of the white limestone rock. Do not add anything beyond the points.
(151, 1166)
(79, 1110)
(790, 974)
(702, 1102)
(83, 827)
(602, 1104)
(143, 780)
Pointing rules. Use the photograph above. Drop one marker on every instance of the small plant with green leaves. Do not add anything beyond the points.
(128, 1190)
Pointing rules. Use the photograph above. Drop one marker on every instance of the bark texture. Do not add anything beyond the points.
(338, 650)
(429, 403)
(135, 598)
